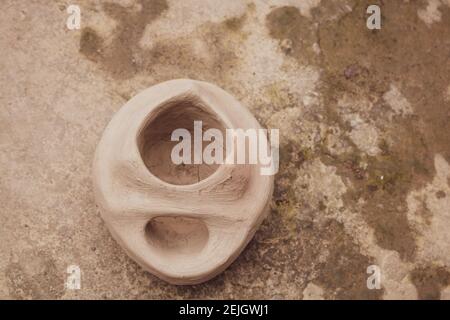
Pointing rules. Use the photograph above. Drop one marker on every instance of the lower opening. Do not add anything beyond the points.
(156, 146)
(177, 235)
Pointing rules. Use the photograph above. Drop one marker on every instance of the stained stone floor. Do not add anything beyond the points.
(364, 131)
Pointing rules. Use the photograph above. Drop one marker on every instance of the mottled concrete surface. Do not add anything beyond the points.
(365, 140)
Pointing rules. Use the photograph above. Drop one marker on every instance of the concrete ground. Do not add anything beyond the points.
(365, 141)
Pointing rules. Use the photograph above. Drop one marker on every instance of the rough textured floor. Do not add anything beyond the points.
(365, 140)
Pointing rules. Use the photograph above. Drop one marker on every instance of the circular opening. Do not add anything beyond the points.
(177, 235)
(156, 147)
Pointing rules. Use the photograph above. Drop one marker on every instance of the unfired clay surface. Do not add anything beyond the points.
(183, 223)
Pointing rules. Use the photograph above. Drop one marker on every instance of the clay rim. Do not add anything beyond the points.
(162, 107)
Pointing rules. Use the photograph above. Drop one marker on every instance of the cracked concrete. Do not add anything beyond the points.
(363, 116)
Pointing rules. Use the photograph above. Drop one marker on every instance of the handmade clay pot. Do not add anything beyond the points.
(183, 223)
